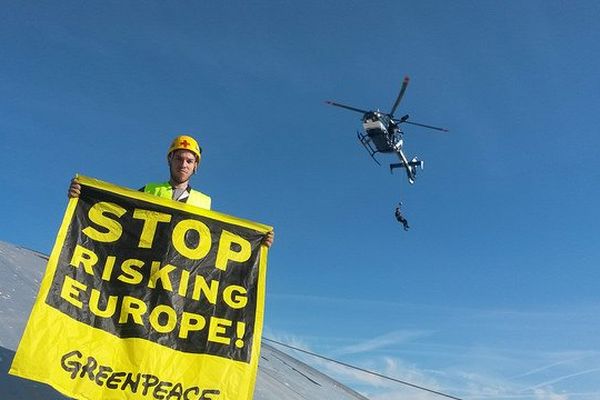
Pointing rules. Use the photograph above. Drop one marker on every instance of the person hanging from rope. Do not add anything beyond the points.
(400, 217)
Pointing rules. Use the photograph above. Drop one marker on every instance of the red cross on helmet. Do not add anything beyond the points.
(184, 142)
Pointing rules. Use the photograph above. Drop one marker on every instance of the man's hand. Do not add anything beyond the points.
(269, 239)
(74, 189)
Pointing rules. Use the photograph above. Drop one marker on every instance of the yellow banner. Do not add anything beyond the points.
(147, 298)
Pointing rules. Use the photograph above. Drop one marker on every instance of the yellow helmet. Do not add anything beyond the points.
(184, 142)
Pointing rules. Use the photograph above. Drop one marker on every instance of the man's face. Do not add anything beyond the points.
(182, 165)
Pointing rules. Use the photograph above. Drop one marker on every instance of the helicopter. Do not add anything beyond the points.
(383, 134)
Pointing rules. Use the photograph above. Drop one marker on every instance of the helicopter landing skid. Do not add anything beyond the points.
(365, 141)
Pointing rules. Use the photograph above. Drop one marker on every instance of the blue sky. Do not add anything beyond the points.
(492, 294)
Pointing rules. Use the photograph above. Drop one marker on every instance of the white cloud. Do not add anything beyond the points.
(382, 341)
(469, 353)
(562, 378)
(545, 394)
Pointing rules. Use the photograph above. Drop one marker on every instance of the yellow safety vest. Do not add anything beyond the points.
(165, 190)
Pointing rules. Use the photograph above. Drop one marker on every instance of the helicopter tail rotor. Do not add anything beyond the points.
(411, 168)
(413, 164)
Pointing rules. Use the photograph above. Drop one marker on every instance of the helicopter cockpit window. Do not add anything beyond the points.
(370, 117)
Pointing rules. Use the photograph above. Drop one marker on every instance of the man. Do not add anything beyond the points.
(400, 217)
(183, 158)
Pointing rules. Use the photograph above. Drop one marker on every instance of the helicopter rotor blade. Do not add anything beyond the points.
(400, 95)
(425, 126)
(333, 103)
